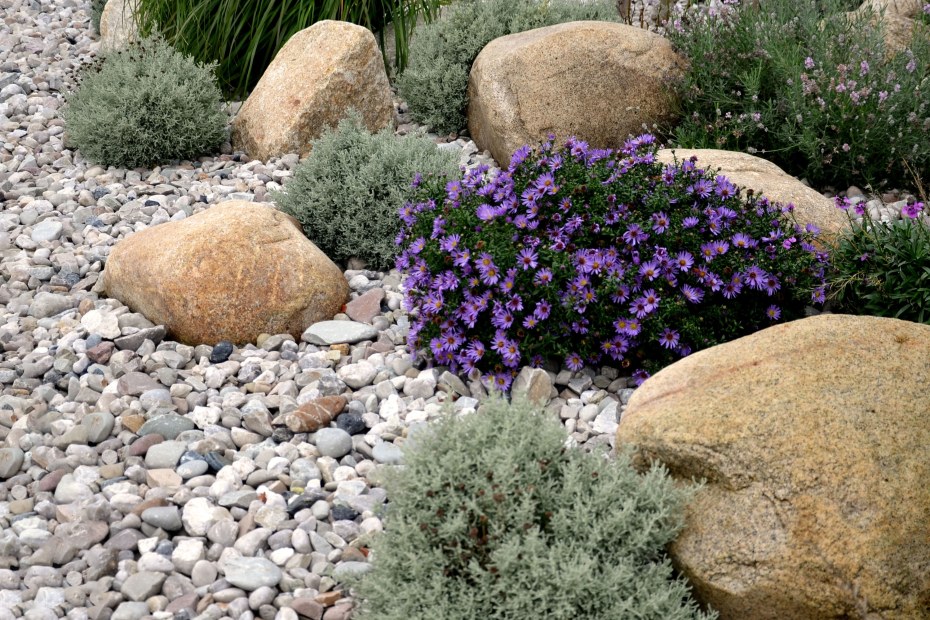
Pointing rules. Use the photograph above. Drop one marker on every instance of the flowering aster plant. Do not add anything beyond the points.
(593, 256)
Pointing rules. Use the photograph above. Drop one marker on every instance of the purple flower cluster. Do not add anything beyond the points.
(592, 256)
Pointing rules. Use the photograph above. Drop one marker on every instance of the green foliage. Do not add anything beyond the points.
(145, 105)
(493, 517)
(243, 36)
(96, 10)
(883, 268)
(347, 192)
(805, 85)
(434, 84)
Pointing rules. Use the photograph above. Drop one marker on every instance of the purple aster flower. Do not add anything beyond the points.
(755, 277)
(574, 362)
(546, 184)
(669, 338)
(451, 340)
(818, 296)
(773, 313)
(543, 276)
(771, 284)
(741, 240)
(692, 294)
(690, 222)
(701, 187)
(707, 251)
(499, 341)
(684, 260)
(649, 270)
(511, 354)
(527, 258)
(720, 248)
(652, 300)
(450, 242)
(453, 190)
(486, 212)
(634, 234)
(461, 257)
(638, 307)
(724, 188)
(490, 275)
(640, 376)
(621, 294)
(530, 321)
(660, 222)
(417, 246)
(542, 310)
(732, 288)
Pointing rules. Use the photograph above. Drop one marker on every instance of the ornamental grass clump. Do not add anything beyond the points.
(145, 105)
(435, 82)
(243, 36)
(492, 517)
(592, 256)
(346, 193)
(882, 268)
(808, 85)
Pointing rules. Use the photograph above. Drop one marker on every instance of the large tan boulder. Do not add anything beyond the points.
(319, 74)
(118, 24)
(814, 439)
(764, 177)
(231, 272)
(597, 81)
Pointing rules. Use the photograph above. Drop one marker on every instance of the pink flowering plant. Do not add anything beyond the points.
(814, 88)
(588, 256)
(882, 268)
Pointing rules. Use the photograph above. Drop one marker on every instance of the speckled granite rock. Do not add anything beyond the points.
(813, 438)
(313, 80)
(596, 81)
(230, 273)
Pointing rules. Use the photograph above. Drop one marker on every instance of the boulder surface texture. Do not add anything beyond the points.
(118, 24)
(597, 81)
(231, 272)
(764, 177)
(814, 439)
(319, 74)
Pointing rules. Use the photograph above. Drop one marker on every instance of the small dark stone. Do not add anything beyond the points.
(99, 192)
(150, 203)
(93, 340)
(216, 461)
(190, 455)
(342, 513)
(96, 222)
(299, 502)
(282, 434)
(71, 278)
(165, 547)
(52, 377)
(221, 352)
(351, 423)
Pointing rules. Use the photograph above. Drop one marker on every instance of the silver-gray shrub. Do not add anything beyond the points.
(347, 193)
(492, 517)
(145, 105)
(435, 81)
